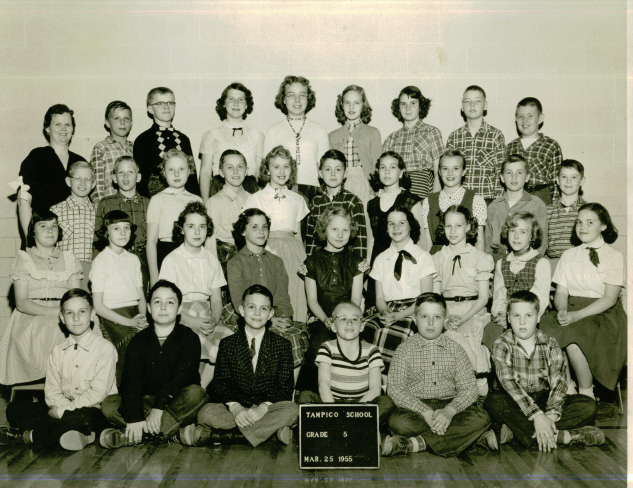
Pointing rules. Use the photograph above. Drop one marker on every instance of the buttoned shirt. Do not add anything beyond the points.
(248, 141)
(484, 152)
(165, 207)
(118, 277)
(461, 278)
(521, 373)
(135, 207)
(285, 208)
(419, 145)
(561, 220)
(76, 220)
(544, 157)
(480, 209)
(425, 370)
(80, 373)
(104, 155)
(224, 208)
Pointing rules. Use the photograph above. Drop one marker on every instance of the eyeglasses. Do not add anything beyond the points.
(163, 104)
(79, 180)
(346, 320)
(301, 96)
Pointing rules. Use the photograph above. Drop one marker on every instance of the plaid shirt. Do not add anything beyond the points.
(351, 152)
(425, 370)
(560, 222)
(137, 210)
(419, 146)
(77, 222)
(102, 159)
(544, 157)
(520, 374)
(484, 152)
(349, 202)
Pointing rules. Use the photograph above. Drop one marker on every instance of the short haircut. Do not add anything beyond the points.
(326, 217)
(258, 290)
(159, 90)
(347, 303)
(610, 234)
(112, 106)
(511, 222)
(430, 297)
(405, 181)
(365, 114)
(281, 94)
(278, 152)
(572, 163)
(333, 154)
(531, 101)
(414, 226)
(111, 218)
(515, 158)
(76, 293)
(79, 165)
(412, 92)
(230, 152)
(58, 109)
(197, 208)
(476, 88)
(454, 153)
(122, 159)
(523, 296)
(220, 102)
(177, 153)
(40, 216)
(242, 221)
(165, 284)
(471, 235)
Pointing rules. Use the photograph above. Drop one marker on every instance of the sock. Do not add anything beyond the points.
(482, 387)
(418, 443)
(587, 391)
(563, 437)
(27, 435)
(571, 388)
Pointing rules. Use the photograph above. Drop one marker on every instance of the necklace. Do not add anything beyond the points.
(297, 138)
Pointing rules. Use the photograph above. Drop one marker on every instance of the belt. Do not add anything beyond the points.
(461, 299)
(537, 187)
(46, 299)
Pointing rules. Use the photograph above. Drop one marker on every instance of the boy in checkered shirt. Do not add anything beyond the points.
(543, 153)
(534, 406)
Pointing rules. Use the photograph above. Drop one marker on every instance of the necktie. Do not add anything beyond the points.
(131, 199)
(397, 270)
(593, 256)
(456, 260)
(253, 350)
(236, 129)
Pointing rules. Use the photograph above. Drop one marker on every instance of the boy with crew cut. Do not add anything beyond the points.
(251, 391)
(118, 122)
(531, 368)
(482, 145)
(431, 381)
(160, 390)
(150, 146)
(563, 211)
(515, 173)
(333, 170)
(542, 153)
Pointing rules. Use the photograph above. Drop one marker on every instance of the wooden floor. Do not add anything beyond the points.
(272, 464)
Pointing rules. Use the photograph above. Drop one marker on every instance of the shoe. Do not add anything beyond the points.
(9, 436)
(194, 435)
(506, 435)
(113, 439)
(488, 440)
(284, 434)
(480, 400)
(607, 410)
(73, 440)
(588, 435)
(396, 444)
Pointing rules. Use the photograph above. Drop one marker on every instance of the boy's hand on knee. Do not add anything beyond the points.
(134, 432)
(153, 421)
(442, 419)
(54, 413)
(563, 318)
(545, 433)
(241, 416)
(429, 417)
(256, 413)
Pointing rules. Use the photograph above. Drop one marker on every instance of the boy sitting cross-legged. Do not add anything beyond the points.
(160, 391)
(431, 380)
(531, 369)
(251, 391)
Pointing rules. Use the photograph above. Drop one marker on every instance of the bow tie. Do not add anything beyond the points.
(131, 199)
(593, 256)
(236, 129)
(457, 260)
(397, 270)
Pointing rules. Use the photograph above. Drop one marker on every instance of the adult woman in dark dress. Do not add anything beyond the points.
(44, 169)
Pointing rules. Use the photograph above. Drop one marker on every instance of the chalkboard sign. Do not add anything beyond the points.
(339, 436)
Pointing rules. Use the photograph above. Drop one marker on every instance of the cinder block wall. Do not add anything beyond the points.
(569, 54)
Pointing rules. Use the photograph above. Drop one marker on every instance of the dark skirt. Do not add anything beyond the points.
(163, 248)
(119, 335)
(601, 337)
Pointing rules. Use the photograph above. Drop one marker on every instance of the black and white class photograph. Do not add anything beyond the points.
(278, 243)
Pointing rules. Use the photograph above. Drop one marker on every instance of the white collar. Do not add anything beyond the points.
(176, 191)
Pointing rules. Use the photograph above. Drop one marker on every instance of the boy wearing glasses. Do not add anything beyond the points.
(76, 216)
(151, 145)
(350, 368)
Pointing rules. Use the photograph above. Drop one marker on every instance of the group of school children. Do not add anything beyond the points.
(258, 297)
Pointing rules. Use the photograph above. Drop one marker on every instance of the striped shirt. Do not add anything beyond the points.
(561, 220)
(104, 155)
(349, 377)
(77, 222)
(544, 157)
(484, 152)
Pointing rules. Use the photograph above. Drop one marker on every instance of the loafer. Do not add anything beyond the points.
(113, 439)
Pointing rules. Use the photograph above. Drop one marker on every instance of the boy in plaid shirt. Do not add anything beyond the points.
(542, 153)
(531, 368)
(482, 144)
